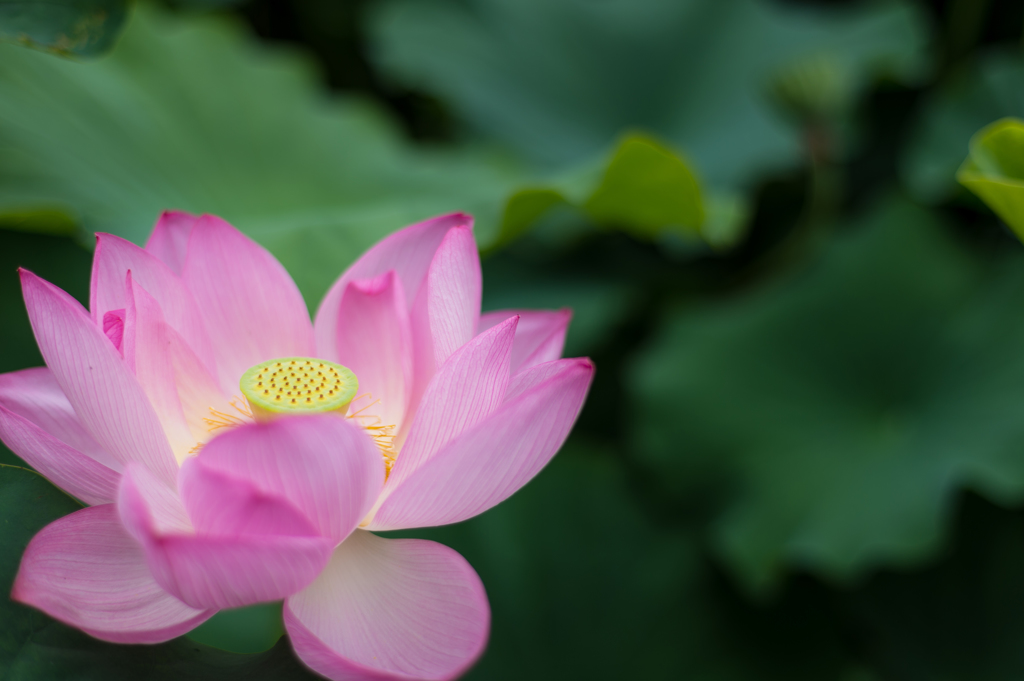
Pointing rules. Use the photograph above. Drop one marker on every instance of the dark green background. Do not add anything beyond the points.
(803, 453)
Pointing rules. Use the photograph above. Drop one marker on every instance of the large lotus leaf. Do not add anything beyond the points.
(644, 188)
(838, 410)
(558, 80)
(959, 620)
(994, 170)
(989, 88)
(81, 27)
(191, 114)
(586, 583)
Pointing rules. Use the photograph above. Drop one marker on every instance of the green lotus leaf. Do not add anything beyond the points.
(961, 619)
(65, 27)
(989, 87)
(595, 585)
(192, 114)
(994, 170)
(644, 188)
(837, 411)
(559, 80)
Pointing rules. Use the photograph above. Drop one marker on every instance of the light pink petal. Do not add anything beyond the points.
(375, 341)
(327, 466)
(220, 505)
(108, 400)
(149, 348)
(540, 336)
(149, 505)
(408, 252)
(114, 259)
(222, 570)
(34, 395)
(488, 463)
(390, 609)
(169, 238)
(184, 394)
(446, 311)
(453, 289)
(86, 571)
(469, 386)
(77, 474)
(253, 310)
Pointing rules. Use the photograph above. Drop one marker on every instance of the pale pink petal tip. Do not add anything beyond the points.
(86, 571)
(390, 609)
(540, 336)
(409, 252)
(169, 238)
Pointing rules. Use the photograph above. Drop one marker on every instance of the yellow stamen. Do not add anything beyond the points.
(383, 434)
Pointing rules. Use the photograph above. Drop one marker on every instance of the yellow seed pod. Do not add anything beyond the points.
(298, 385)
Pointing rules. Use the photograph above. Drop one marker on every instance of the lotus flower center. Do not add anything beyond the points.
(298, 385)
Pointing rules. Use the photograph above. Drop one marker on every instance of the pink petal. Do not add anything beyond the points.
(178, 383)
(108, 400)
(446, 311)
(113, 327)
(374, 340)
(220, 570)
(326, 466)
(34, 395)
(148, 347)
(114, 259)
(169, 238)
(540, 336)
(488, 463)
(77, 474)
(220, 505)
(453, 289)
(86, 571)
(469, 386)
(149, 505)
(253, 310)
(390, 609)
(408, 252)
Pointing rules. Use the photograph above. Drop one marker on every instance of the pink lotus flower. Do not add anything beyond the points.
(229, 459)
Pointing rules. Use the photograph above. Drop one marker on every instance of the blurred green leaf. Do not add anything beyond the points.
(191, 114)
(252, 629)
(598, 304)
(837, 410)
(960, 620)
(994, 170)
(58, 259)
(988, 88)
(558, 80)
(80, 27)
(647, 188)
(59, 653)
(643, 188)
(586, 583)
